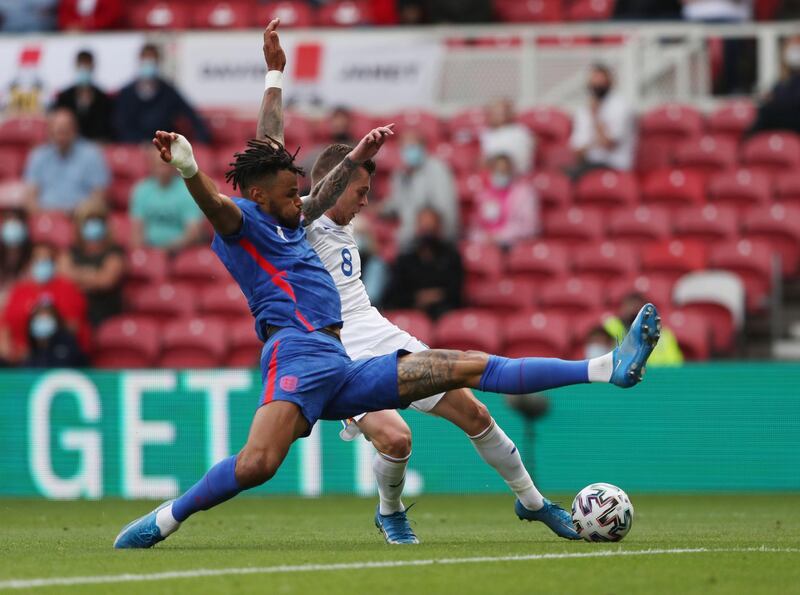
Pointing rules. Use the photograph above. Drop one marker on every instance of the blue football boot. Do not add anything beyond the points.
(395, 527)
(631, 355)
(556, 518)
(141, 533)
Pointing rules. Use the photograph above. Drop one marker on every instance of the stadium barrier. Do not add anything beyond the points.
(150, 434)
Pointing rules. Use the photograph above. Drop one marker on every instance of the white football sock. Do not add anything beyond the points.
(166, 522)
(497, 449)
(600, 368)
(390, 473)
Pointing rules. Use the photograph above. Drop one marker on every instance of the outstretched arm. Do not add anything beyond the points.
(270, 116)
(221, 211)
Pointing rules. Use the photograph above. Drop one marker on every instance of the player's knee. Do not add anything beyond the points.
(479, 417)
(255, 468)
(394, 441)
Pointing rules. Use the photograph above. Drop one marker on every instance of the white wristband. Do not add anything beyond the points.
(188, 171)
(273, 80)
(183, 157)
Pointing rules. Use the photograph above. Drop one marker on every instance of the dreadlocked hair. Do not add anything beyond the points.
(261, 158)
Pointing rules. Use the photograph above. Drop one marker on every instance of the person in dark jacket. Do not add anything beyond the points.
(150, 103)
(779, 111)
(50, 343)
(91, 106)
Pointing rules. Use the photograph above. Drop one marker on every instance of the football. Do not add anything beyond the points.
(602, 512)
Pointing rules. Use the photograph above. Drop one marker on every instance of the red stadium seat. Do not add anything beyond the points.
(160, 15)
(732, 119)
(218, 14)
(708, 224)
(574, 223)
(206, 158)
(571, 295)
(244, 346)
(482, 261)
(146, 266)
(553, 188)
(165, 301)
(692, 332)
(653, 154)
(425, 123)
(502, 296)
(52, 227)
(126, 341)
(591, 10)
(127, 161)
(538, 259)
(718, 296)
(12, 162)
(672, 121)
(607, 188)
(787, 187)
(529, 11)
(773, 151)
(639, 226)
(292, 13)
(13, 194)
(224, 301)
(26, 131)
(119, 194)
(465, 126)
(548, 124)
(469, 330)
(414, 322)
(463, 158)
(706, 155)
(673, 188)
(779, 226)
(194, 343)
(198, 267)
(536, 334)
(741, 188)
(554, 156)
(605, 261)
(298, 130)
(752, 261)
(119, 226)
(344, 13)
(655, 288)
(227, 129)
(674, 257)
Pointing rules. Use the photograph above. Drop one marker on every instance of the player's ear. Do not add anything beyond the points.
(256, 194)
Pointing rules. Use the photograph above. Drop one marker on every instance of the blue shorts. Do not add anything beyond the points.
(313, 371)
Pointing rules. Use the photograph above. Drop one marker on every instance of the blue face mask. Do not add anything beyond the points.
(43, 326)
(93, 230)
(83, 77)
(42, 271)
(148, 69)
(500, 180)
(14, 232)
(413, 155)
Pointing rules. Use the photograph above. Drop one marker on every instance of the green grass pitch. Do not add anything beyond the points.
(738, 544)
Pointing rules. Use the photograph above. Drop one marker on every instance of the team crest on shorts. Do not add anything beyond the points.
(289, 384)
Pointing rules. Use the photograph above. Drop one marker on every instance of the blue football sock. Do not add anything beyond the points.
(531, 374)
(216, 486)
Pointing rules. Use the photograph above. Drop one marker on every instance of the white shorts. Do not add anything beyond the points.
(368, 334)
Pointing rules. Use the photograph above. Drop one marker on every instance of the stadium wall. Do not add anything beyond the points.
(150, 434)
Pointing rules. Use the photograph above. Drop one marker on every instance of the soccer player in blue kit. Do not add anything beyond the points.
(306, 372)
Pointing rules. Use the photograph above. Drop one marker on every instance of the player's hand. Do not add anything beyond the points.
(273, 52)
(177, 151)
(371, 143)
(163, 142)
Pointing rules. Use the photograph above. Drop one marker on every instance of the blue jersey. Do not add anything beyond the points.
(281, 276)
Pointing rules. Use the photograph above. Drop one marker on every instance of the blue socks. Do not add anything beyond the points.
(216, 486)
(531, 374)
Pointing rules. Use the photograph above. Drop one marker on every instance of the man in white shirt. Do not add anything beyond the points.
(505, 136)
(604, 131)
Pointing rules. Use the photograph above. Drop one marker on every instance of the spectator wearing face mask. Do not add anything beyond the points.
(150, 103)
(780, 109)
(41, 281)
(95, 263)
(51, 344)
(505, 136)
(424, 180)
(604, 131)
(598, 342)
(91, 106)
(508, 209)
(15, 250)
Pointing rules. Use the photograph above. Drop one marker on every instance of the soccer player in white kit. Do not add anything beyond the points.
(367, 333)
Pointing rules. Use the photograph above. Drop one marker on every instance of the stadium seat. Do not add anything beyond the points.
(119, 227)
(708, 224)
(463, 158)
(607, 188)
(672, 121)
(554, 156)
(24, 131)
(126, 341)
(482, 261)
(605, 261)
(244, 346)
(52, 227)
(198, 267)
(772, 151)
(12, 162)
(591, 10)
(574, 223)
(673, 188)
(503, 296)
(227, 129)
(193, 343)
(146, 266)
(165, 301)
(223, 301)
(787, 187)
(529, 11)
(553, 188)
(206, 158)
(706, 155)
(292, 13)
(127, 161)
(344, 13)
(413, 322)
(534, 333)
(571, 295)
(425, 123)
(639, 226)
(219, 14)
(298, 130)
(654, 153)
(655, 288)
(674, 257)
(538, 259)
(549, 124)
(469, 330)
(692, 332)
(741, 188)
(119, 194)
(732, 119)
(779, 226)
(750, 260)
(465, 126)
(13, 194)
(160, 15)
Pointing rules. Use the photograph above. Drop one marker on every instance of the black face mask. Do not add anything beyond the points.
(599, 92)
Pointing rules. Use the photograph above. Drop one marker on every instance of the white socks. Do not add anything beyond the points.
(497, 449)
(600, 368)
(166, 522)
(390, 474)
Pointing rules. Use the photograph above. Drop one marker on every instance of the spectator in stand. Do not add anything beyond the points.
(51, 344)
(91, 15)
(95, 263)
(15, 250)
(374, 272)
(780, 109)
(666, 353)
(27, 16)
(458, 11)
(429, 276)
(508, 209)
(91, 106)
(423, 181)
(506, 136)
(66, 171)
(340, 127)
(40, 281)
(646, 10)
(150, 103)
(598, 343)
(604, 131)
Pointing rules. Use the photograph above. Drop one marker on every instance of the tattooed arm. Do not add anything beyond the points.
(270, 117)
